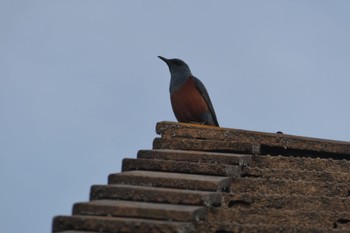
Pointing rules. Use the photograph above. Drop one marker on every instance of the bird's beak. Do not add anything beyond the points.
(164, 59)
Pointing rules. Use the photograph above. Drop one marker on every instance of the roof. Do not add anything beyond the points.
(219, 180)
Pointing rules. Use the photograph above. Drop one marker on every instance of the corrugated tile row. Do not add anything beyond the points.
(218, 180)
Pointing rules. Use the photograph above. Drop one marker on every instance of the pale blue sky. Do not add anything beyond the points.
(81, 86)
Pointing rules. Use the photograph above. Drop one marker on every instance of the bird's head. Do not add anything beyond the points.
(177, 67)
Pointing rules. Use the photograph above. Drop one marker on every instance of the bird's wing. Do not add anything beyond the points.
(203, 91)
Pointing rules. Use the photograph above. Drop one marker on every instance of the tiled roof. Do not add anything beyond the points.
(207, 179)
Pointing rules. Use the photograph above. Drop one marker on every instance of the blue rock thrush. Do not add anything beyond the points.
(189, 97)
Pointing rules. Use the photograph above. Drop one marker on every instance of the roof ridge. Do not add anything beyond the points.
(228, 181)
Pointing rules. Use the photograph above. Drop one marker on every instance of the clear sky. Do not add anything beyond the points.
(81, 86)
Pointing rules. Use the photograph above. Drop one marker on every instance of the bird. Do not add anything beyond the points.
(189, 98)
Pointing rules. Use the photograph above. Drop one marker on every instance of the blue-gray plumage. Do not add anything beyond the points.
(189, 97)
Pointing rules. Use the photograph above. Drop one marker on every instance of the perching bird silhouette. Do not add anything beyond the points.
(189, 97)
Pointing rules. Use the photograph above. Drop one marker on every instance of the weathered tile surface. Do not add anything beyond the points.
(204, 179)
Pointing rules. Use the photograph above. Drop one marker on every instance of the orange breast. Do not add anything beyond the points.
(188, 104)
